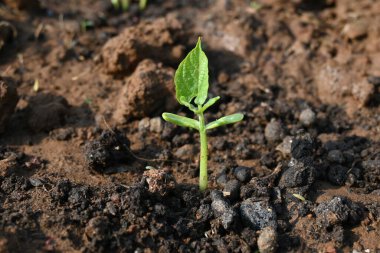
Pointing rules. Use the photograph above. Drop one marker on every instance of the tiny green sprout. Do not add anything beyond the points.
(191, 85)
(124, 4)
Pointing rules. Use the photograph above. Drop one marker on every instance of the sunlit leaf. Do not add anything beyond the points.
(191, 77)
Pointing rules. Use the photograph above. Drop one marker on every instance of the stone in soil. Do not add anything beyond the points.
(243, 174)
(274, 131)
(232, 190)
(335, 156)
(307, 117)
(147, 40)
(298, 174)
(302, 146)
(110, 149)
(338, 211)
(257, 214)
(337, 174)
(334, 82)
(219, 205)
(149, 91)
(159, 181)
(47, 112)
(267, 241)
(8, 101)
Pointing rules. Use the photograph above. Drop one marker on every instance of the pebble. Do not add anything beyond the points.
(335, 156)
(219, 205)
(298, 174)
(243, 174)
(274, 131)
(144, 125)
(228, 219)
(338, 211)
(285, 147)
(356, 29)
(156, 125)
(187, 151)
(232, 190)
(257, 215)
(267, 241)
(307, 117)
(222, 179)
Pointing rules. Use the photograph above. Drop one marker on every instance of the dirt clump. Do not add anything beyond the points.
(8, 101)
(148, 40)
(110, 149)
(7, 33)
(23, 4)
(149, 91)
(47, 112)
(336, 82)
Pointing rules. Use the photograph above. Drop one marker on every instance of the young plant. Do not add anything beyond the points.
(191, 85)
(124, 4)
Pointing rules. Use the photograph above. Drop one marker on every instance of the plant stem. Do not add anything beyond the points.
(203, 153)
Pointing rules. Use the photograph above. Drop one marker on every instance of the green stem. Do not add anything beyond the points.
(203, 154)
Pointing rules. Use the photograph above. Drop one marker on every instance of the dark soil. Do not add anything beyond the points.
(88, 165)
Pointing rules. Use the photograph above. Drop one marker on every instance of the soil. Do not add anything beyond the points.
(88, 165)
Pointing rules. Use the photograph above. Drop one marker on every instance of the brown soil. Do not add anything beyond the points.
(301, 173)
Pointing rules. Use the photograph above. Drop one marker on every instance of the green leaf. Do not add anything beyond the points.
(209, 103)
(191, 77)
(180, 120)
(233, 118)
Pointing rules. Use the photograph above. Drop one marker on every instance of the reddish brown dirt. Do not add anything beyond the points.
(302, 70)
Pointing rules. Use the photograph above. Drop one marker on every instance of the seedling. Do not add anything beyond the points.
(191, 85)
(124, 4)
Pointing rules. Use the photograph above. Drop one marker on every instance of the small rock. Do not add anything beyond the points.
(228, 219)
(307, 117)
(257, 215)
(363, 90)
(243, 174)
(298, 174)
(302, 146)
(156, 125)
(285, 147)
(222, 179)
(356, 29)
(274, 131)
(232, 190)
(97, 228)
(186, 152)
(337, 174)
(159, 181)
(144, 125)
(338, 211)
(107, 151)
(267, 241)
(218, 204)
(335, 156)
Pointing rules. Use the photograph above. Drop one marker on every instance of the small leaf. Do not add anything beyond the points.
(209, 103)
(180, 120)
(233, 118)
(191, 77)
